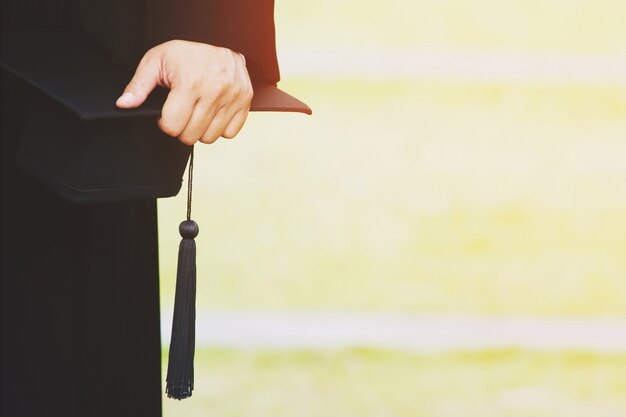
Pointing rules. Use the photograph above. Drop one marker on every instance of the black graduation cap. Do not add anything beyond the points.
(79, 143)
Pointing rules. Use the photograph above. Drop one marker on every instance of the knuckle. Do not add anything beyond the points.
(249, 94)
(197, 82)
(209, 138)
(236, 91)
(232, 130)
(168, 129)
(208, 141)
(187, 140)
(218, 88)
(229, 134)
(192, 82)
(147, 57)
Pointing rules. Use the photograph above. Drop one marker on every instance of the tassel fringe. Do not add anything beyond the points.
(182, 345)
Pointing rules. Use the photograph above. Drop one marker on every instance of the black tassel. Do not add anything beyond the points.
(182, 344)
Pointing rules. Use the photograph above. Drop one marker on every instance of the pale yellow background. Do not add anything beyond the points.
(463, 157)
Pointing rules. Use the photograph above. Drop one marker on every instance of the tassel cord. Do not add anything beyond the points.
(190, 185)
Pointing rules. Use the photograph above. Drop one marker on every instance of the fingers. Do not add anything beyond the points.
(177, 111)
(141, 85)
(210, 90)
(217, 126)
(236, 123)
(209, 121)
(203, 114)
(230, 119)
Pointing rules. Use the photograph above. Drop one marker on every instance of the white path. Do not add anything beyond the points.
(418, 333)
(386, 64)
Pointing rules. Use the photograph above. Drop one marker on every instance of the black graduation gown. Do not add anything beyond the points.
(80, 294)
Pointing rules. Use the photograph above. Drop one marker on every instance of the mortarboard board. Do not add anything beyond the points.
(79, 143)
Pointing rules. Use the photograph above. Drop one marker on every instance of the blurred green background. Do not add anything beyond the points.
(463, 158)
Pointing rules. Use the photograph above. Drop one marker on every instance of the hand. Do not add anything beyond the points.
(210, 90)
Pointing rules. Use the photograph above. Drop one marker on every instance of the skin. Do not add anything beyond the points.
(210, 90)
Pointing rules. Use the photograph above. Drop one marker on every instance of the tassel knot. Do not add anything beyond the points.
(189, 229)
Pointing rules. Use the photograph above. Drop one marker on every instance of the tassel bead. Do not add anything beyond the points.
(188, 229)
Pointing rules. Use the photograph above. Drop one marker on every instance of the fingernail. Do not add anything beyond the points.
(125, 98)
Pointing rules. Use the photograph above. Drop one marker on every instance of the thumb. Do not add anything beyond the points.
(143, 82)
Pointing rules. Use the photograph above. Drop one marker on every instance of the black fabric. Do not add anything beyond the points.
(68, 69)
(80, 300)
(246, 26)
(101, 160)
(75, 83)
(80, 328)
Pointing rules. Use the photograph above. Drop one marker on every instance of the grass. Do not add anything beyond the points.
(416, 195)
(372, 383)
